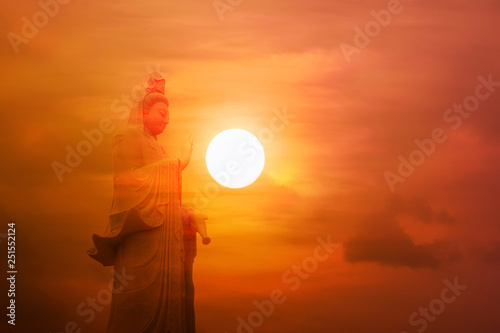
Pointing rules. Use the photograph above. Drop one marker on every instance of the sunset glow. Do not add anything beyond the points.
(377, 185)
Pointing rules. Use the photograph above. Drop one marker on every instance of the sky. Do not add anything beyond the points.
(376, 211)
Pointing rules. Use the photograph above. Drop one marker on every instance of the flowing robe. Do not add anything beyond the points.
(148, 240)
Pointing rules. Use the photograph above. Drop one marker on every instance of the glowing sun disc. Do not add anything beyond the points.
(235, 158)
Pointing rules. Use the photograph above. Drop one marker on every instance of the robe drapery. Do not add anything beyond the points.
(148, 240)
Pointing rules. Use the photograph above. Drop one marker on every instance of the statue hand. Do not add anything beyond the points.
(186, 152)
(189, 142)
(188, 146)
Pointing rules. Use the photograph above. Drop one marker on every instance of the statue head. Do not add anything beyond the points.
(150, 112)
(155, 113)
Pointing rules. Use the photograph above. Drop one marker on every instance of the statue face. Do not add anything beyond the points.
(156, 119)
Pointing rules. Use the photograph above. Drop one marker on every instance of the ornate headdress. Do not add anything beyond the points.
(154, 84)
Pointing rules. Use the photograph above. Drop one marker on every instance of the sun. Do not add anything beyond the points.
(235, 158)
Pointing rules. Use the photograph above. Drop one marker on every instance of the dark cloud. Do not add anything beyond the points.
(420, 209)
(381, 239)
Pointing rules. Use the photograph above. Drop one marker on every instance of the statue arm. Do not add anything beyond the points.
(142, 173)
(127, 161)
(134, 182)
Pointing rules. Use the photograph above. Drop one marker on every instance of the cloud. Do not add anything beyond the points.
(381, 239)
(325, 169)
(420, 209)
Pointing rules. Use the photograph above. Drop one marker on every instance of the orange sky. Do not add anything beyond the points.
(350, 120)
